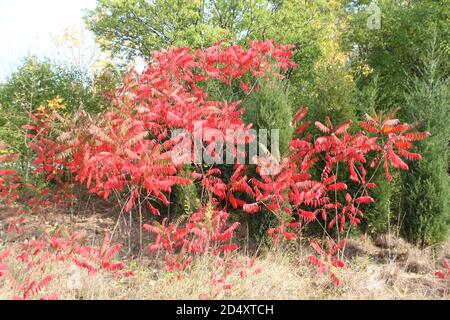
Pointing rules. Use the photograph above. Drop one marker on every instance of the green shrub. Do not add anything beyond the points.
(35, 83)
(425, 197)
(268, 107)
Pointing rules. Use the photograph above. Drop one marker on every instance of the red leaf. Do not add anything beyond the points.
(300, 114)
(414, 136)
(365, 199)
(317, 248)
(302, 128)
(7, 172)
(307, 215)
(337, 186)
(244, 87)
(28, 127)
(368, 127)
(338, 263)
(129, 204)
(322, 127)
(251, 207)
(335, 279)
(348, 197)
(229, 247)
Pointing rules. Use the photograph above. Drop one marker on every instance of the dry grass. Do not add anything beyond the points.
(282, 276)
(377, 269)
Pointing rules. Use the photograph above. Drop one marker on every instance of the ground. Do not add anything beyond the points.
(384, 268)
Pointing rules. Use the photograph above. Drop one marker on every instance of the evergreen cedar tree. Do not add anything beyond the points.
(126, 151)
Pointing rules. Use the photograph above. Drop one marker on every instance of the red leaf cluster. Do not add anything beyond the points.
(129, 148)
(445, 275)
(326, 260)
(206, 232)
(35, 258)
(335, 151)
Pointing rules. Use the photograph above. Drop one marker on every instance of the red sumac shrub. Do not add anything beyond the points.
(128, 151)
(27, 267)
(445, 275)
(128, 148)
(205, 232)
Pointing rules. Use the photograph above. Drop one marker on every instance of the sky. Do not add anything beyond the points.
(27, 27)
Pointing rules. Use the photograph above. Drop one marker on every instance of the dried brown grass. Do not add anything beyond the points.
(283, 276)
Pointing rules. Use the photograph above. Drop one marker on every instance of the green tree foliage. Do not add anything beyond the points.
(135, 27)
(393, 50)
(333, 94)
(268, 108)
(379, 214)
(314, 27)
(382, 60)
(38, 81)
(425, 198)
